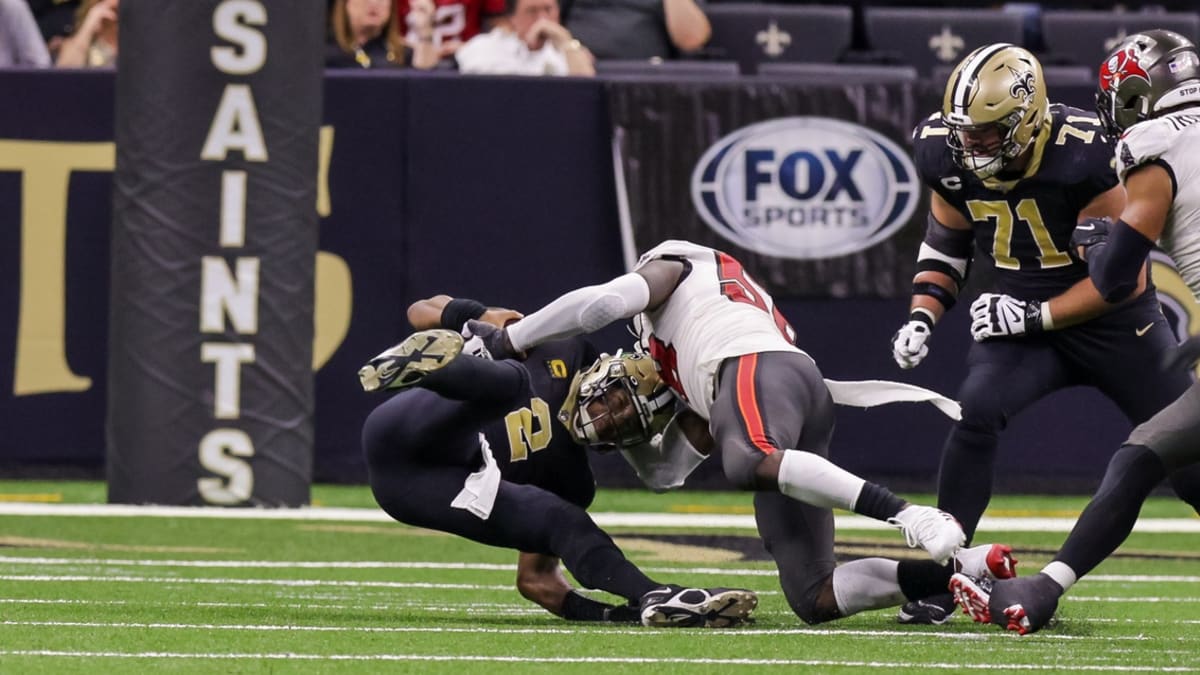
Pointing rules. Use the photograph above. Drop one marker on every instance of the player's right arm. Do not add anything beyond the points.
(590, 308)
(1116, 251)
(942, 265)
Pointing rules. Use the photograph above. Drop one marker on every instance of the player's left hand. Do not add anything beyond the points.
(494, 339)
(1087, 234)
(996, 315)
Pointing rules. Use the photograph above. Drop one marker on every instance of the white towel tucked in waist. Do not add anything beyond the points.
(867, 393)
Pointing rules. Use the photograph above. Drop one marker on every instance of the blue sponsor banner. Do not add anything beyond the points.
(811, 187)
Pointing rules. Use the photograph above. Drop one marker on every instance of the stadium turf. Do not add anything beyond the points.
(106, 592)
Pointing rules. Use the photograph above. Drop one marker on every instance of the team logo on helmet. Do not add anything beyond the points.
(1121, 66)
(1024, 85)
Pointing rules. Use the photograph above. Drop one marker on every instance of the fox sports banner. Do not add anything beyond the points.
(812, 187)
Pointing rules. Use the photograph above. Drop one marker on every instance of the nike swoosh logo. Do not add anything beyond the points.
(1142, 331)
(1085, 228)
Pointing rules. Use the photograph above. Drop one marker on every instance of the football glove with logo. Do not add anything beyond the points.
(997, 315)
(495, 340)
(1091, 232)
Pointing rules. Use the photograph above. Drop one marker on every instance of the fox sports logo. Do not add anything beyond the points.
(805, 187)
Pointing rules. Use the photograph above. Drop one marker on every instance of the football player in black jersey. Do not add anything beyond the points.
(1010, 176)
(470, 446)
(1149, 97)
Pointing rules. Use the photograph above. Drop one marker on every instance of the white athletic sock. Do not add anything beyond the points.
(1061, 573)
(869, 583)
(815, 480)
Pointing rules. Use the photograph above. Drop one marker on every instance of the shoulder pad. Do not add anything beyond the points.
(930, 152)
(671, 247)
(1142, 143)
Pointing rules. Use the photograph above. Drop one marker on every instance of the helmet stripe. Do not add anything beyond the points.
(969, 73)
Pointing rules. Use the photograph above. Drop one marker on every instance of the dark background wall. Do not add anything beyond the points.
(496, 188)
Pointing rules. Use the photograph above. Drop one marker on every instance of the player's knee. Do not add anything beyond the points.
(814, 608)
(741, 467)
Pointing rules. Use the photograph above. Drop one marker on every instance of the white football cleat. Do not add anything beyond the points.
(992, 561)
(932, 529)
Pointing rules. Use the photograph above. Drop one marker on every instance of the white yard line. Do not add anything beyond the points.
(572, 630)
(476, 658)
(604, 519)
(483, 567)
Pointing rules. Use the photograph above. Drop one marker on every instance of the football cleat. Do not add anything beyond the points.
(1023, 605)
(410, 361)
(994, 561)
(932, 529)
(973, 595)
(932, 611)
(679, 607)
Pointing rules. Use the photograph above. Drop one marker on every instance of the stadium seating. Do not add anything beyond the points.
(929, 37)
(1086, 37)
(752, 33)
(1056, 76)
(837, 73)
(658, 68)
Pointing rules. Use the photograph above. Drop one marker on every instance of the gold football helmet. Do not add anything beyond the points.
(994, 106)
(619, 400)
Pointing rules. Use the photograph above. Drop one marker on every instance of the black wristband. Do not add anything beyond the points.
(460, 310)
(922, 315)
(936, 292)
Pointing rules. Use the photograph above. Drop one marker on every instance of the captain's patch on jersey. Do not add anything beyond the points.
(558, 369)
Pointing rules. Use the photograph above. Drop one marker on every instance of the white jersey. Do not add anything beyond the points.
(1173, 142)
(714, 313)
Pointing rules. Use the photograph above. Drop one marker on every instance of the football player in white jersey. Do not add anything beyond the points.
(1149, 96)
(728, 356)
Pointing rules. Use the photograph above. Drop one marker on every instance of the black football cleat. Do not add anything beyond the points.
(932, 611)
(679, 607)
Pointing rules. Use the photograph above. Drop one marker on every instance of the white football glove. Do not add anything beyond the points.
(996, 315)
(908, 344)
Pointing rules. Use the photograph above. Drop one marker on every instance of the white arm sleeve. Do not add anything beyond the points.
(582, 311)
(665, 462)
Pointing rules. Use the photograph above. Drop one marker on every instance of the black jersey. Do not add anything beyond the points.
(529, 443)
(1023, 224)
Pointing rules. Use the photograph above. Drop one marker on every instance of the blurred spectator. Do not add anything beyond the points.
(365, 34)
(639, 29)
(527, 40)
(56, 20)
(455, 21)
(94, 42)
(21, 42)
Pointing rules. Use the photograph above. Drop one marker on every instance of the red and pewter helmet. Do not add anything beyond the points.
(1148, 74)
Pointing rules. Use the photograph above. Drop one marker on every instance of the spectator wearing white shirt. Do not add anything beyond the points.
(527, 40)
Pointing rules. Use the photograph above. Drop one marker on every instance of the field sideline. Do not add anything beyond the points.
(341, 589)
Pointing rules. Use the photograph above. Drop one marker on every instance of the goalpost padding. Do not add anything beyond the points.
(214, 241)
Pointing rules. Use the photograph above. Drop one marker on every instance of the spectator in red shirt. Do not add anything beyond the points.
(454, 21)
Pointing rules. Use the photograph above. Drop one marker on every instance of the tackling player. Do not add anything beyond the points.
(469, 446)
(1149, 98)
(727, 354)
(1010, 175)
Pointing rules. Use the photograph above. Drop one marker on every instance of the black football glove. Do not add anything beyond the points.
(1184, 356)
(1091, 232)
(494, 339)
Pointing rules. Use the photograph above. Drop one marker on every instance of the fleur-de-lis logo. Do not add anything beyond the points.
(1023, 86)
